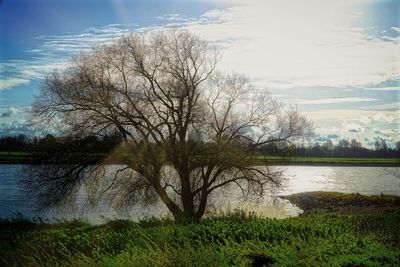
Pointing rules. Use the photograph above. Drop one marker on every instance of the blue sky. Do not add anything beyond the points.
(338, 61)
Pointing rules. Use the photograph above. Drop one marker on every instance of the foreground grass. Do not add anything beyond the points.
(312, 240)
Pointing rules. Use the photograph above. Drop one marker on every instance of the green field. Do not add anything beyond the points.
(368, 238)
(13, 154)
(22, 157)
(13, 157)
(332, 161)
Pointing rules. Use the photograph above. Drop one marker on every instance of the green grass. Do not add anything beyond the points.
(344, 161)
(13, 156)
(313, 240)
(311, 202)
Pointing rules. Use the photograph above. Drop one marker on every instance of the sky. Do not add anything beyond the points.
(337, 61)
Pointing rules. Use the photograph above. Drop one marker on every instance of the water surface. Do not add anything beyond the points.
(363, 180)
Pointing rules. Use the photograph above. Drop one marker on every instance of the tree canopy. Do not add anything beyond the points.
(187, 129)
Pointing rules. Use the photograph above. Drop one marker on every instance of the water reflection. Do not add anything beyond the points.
(363, 180)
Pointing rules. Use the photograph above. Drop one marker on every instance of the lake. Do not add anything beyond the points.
(363, 180)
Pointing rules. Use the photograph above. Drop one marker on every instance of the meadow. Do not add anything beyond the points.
(331, 161)
(13, 156)
(236, 239)
(26, 157)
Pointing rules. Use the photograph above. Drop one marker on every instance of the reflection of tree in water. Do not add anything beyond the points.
(395, 172)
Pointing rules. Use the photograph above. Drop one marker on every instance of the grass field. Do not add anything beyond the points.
(13, 154)
(22, 157)
(13, 157)
(319, 239)
(339, 161)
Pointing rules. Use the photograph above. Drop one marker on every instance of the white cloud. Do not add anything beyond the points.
(388, 88)
(352, 127)
(382, 117)
(333, 100)
(343, 114)
(75, 43)
(54, 53)
(11, 82)
(277, 43)
(390, 131)
(358, 124)
(174, 17)
(397, 29)
(22, 72)
(327, 130)
(301, 43)
(12, 119)
(390, 106)
(364, 120)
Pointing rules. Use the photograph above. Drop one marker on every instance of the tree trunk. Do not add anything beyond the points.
(173, 208)
(187, 198)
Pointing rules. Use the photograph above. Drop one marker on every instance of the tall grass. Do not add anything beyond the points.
(235, 240)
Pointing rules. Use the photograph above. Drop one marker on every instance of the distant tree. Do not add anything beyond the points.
(22, 138)
(329, 145)
(355, 144)
(344, 148)
(186, 130)
(344, 144)
(380, 144)
(398, 146)
(13, 143)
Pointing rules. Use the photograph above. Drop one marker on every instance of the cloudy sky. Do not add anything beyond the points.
(338, 61)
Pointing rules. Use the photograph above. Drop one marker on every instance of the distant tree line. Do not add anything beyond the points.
(343, 148)
(104, 144)
(50, 143)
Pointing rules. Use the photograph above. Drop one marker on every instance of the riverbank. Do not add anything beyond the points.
(9, 157)
(318, 238)
(313, 161)
(341, 203)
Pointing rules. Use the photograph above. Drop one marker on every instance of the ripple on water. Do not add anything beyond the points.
(363, 180)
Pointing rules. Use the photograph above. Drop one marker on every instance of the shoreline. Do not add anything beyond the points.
(392, 162)
(342, 203)
(310, 202)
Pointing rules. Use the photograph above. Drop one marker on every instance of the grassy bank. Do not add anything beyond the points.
(313, 202)
(331, 161)
(24, 157)
(13, 157)
(321, 239)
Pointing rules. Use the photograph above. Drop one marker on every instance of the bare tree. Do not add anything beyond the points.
(187, 129)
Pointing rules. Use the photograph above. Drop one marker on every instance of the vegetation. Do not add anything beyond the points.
(330, 161)
(104, 144)
(21, 149)
(370, 238)
(342, 149)
(314, 240)
(26, 157)
(311, 202)
(14, 157)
